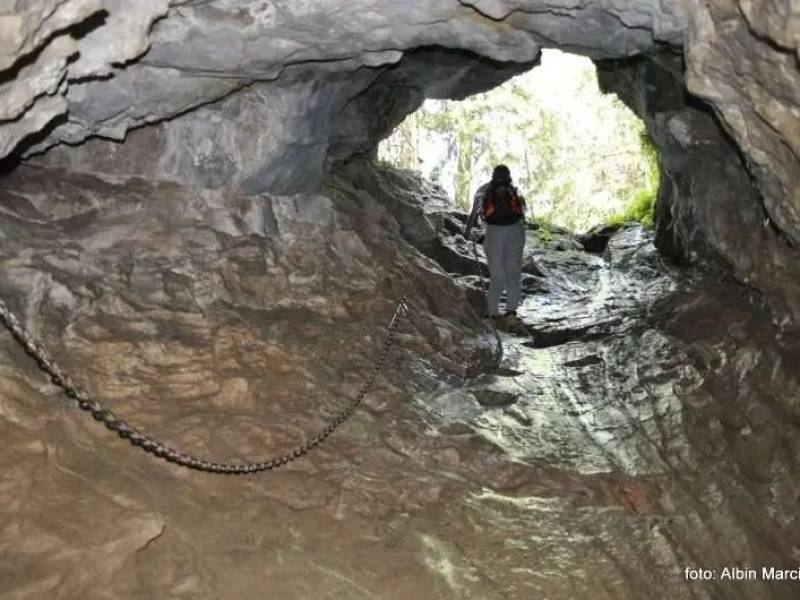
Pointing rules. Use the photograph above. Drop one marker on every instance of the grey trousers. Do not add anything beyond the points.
(503, 246)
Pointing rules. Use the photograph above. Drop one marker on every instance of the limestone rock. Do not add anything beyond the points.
(26, 25)
(270, 137)
(285, 40)
(708, 207)
(647, 414)
(47, 43)
(201, 52)
(654, 411)
(742, 57)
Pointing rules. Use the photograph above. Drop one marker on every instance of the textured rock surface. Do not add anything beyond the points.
(264, 41)
(218, 322)
(276, 137)
(744, 58)
(609, 451)
(319, 82)
(646, 420)
(708, 204)
(48, 43)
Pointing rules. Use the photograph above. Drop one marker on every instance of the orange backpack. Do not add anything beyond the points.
(502, 205)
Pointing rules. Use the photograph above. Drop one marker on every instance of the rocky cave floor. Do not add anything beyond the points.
(644, 422)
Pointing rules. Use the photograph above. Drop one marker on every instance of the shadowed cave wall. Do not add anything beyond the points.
(268, 96)
(191, 223)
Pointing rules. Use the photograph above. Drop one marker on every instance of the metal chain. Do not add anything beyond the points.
(161, 450)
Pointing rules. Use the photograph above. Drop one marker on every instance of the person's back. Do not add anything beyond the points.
(500, 205)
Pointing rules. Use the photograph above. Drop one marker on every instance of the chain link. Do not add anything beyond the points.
(161, 450)
(124, 430)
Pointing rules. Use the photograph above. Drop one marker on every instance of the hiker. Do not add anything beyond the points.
(502, 208)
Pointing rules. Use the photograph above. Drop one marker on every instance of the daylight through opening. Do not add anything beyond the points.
(581, 157)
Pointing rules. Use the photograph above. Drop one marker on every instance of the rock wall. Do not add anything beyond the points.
(710, 210)
(641, 423)
(648, 424)
(313, 82)
(282, 136)
(288, 88)
(744, 59)
(50, 45)
(239, 43)
(229, 325)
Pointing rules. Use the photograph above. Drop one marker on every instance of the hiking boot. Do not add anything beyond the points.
(512, 322)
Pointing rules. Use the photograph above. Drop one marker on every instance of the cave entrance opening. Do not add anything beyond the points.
(581, 157)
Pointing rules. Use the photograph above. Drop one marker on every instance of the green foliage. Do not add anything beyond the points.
(641, 205)
(640, 209)
(545, 230)
(580, 157)
(650, 154)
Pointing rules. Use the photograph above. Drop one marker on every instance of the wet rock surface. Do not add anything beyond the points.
(267, 96)
(645, 420)
(710, 210)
